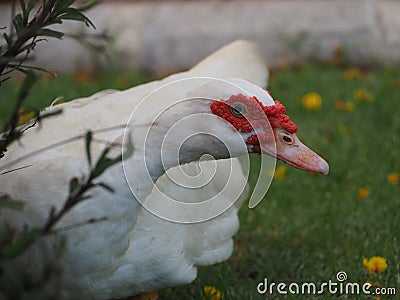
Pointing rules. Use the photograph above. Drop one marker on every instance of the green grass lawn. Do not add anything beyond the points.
(309, 227)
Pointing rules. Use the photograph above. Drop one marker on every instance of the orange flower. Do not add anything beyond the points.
(85, 76)
(344, 105)
(363, 192)
(393, 178)
(340, 105)
(375, 264)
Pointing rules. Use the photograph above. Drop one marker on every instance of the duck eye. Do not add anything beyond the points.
(238, 110)
(287, 139)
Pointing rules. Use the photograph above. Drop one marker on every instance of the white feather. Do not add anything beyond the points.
(133, 251)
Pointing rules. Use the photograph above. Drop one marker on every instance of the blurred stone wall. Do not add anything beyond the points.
(164, 36)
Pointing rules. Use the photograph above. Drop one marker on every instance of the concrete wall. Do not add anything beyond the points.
(169, 35)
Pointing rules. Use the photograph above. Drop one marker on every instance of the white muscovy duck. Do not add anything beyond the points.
(135, 251)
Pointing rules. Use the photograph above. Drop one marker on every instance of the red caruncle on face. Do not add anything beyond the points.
(247, 114)
(244, 113)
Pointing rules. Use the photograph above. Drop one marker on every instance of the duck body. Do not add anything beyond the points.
(132, 251)
(147, 241)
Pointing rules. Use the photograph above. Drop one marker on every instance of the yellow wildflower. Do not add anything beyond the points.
(362, 95)
(311, 101)
(375, 264)
(352, 74)
(363, 192)
(24, 116)
(212, 293)
(280, 172)
(393, 178)
(349, 106)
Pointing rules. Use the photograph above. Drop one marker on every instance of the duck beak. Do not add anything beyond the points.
(298, 155)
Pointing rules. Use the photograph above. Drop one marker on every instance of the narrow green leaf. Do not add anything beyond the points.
(21, 243)
(88, 5)
(104, 162)
(104, 153)
(6, 234)
(31, 5)
(23, 8)
(50, 33)
(76, 15)
(72, 16)
(73, 185)
(18, 23)
(52, 214)
(106, 186)
(8, 202)
(64, 4)
(88, 139)
(22, 4)
(8, 40)
(25, 12)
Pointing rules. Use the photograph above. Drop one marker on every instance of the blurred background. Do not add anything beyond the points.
(335, 66)
(164, 36)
